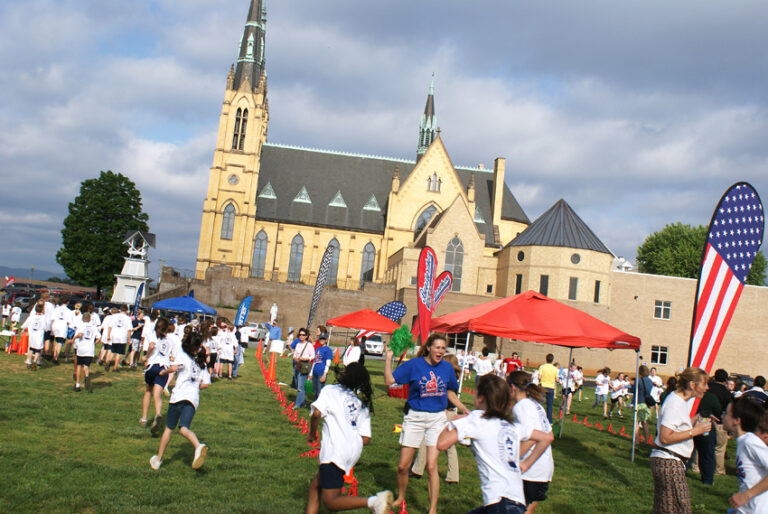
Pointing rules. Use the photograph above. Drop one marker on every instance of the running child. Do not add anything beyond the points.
(158, 358)
(192, 376)
(35, 324)
(346, 429)
(15, 316)
(85, 346)
(495, 443)
(61, 321)
(742, 417)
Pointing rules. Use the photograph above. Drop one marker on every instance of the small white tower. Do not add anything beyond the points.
(136, 268)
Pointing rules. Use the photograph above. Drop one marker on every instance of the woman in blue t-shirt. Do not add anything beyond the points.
(432, 383)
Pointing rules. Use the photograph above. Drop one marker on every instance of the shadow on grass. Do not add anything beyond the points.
(590, 459)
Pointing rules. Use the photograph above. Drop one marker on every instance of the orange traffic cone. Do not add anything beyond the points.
(24, 344)
(336, 357)
(258, 350)
(271, 370)
(14, 346)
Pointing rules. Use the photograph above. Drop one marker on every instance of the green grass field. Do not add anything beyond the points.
(62, 451)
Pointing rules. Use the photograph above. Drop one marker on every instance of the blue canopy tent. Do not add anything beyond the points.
(184, 304)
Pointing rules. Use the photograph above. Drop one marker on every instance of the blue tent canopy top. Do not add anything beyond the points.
(184, 304)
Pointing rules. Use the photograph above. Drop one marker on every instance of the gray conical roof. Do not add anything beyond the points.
(560, 226)
(250, 60)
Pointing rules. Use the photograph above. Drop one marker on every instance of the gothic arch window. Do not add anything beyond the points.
(259, 255)
(236, 137)
(243, 124)
(297, 254)
(454, 260)
(369, 258)
(424, 218)
(333, 269)
(434, 182)
(228, 222)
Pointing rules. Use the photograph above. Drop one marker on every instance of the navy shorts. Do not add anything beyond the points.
(225, 361)
(35, 350)
(535, 491)
(83, 361)
(47, 336)
(180, 413)
(212, 357)
(118, 348)
(152, 376)
(331, 476)
(503, 506)
(107, 347)
(61, 340)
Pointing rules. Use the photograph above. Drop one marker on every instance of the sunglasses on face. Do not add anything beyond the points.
(302, 335)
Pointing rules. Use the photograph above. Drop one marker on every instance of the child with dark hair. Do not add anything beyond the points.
(192, 376)
(495, 443)
(345, 409)
(85, 338)
(35, 324)
(742, 419)
(158, 358)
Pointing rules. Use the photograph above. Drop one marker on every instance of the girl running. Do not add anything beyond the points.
(496, 445)
(158, 356)
(346, 429)
(192, 376)
(85, 345)
(35, 324)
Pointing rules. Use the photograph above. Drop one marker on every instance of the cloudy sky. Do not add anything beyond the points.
(637, 113)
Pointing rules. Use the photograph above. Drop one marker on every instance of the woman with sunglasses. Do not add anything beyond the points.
(303, 355)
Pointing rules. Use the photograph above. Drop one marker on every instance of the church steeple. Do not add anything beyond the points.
(428, 123)
(250, 59)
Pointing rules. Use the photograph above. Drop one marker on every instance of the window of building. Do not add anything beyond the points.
(457, 341)
(575, 258)
(424, 218)
(414, 281)
(297, 254)
(489, 288)
(228, 222)
(544, 285)
(333, 269)
(478, 215)
(243, 123)
(433, 183)
(372, 204)
(662, 310)
(659, 354)
(520, 256)
(573, 286)
(518, 283)
(302, 196)
(268, 192)
(369, 258)
(597, 291)
(454, 260)
(338, 200)
(236, 136)
(259, 255)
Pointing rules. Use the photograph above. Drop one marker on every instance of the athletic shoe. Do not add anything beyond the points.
(200, 454)
(143, 422)
(155, 462)
(382, 502)
(78, 389)
(156, 425)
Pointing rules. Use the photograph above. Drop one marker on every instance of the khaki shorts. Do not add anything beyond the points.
(421, 426)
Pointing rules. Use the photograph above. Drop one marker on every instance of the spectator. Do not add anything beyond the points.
(547, 378)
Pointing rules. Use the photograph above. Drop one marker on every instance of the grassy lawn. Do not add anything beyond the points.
(62, 451)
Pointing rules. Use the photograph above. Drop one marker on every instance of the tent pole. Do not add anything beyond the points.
(462, 364)
(565, 388)
(637, 385)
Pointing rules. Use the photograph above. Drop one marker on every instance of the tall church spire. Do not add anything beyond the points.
(250, 59)
(428, 122)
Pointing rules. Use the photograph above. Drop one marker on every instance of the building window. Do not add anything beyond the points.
(597, 291)
(454, 260)
(457, 340)
(489, 288)
(259, 255)
(479, 215)
(423, 219)
(520, 256)
(241, 120)
(333, 269)
(338, 201)
(297, 254)
(372, 204)
(662, 310)
(518, 283)
(659, 354)
(366, 270)
(228, 222)
(573, 286)
(544, 285)
(414, 281)
(434, 183)
(575, 258)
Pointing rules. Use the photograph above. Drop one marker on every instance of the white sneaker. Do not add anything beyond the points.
(383, 502)
(155, 462)
(200, 454)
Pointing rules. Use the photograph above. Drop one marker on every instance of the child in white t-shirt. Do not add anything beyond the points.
(496, 445)
(192, 376)
(346, 429)
(35, 325)
(741, 419)
(85, 338)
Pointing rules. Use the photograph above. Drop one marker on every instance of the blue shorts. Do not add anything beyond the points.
(180, 413)
(118, 348)
(503, 506)
(152, 376)
(83, 361)
(535, 491)
(331, 476)
(601, 398)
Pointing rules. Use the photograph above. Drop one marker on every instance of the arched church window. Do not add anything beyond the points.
(297, 254)
(243, 124)
(236, 137)
(454, 260)
(423, 219)
(369, 258)
(333, 269)
(259, 255)
(228, 222)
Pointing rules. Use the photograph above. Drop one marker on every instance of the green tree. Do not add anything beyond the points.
(92, 247)
(676, 250)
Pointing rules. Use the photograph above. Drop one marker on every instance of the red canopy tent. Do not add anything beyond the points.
(531, 316)
(365, 319)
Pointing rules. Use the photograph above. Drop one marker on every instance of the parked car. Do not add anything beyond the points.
(255, 331)
(374, 345)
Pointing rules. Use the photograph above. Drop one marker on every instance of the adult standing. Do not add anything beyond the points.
(674, 443)
(303, 355)
(757, 390)
(353, 352)
(709, 408)
(483, 366)
(643, 400)
(321, 365)
(274, 332)
(513, 364)
(719, 388)
(547, 379)
(432, 384)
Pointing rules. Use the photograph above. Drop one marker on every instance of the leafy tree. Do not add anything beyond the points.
(92, 248)
(676, 250)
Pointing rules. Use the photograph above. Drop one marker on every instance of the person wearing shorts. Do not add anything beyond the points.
(119, 329)
(35, 324)
(86, 334)
(158, 358)
(432, 383)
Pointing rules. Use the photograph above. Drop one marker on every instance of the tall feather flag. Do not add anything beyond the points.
(430, 291)
(734, 238)
(138, 299)
(442, 286)
(242, 311)
(392, 310)
(322, 276)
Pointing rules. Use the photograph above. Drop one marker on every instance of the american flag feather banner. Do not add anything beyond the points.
(392, 310)
(322, 276)
(734, 238)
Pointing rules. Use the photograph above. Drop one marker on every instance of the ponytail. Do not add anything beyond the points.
(522, 381)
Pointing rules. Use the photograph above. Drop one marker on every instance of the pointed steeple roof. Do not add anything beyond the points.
(428, 124)
(250, 59)
(560, 226)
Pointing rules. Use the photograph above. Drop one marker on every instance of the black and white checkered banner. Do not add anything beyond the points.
(322, 276)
